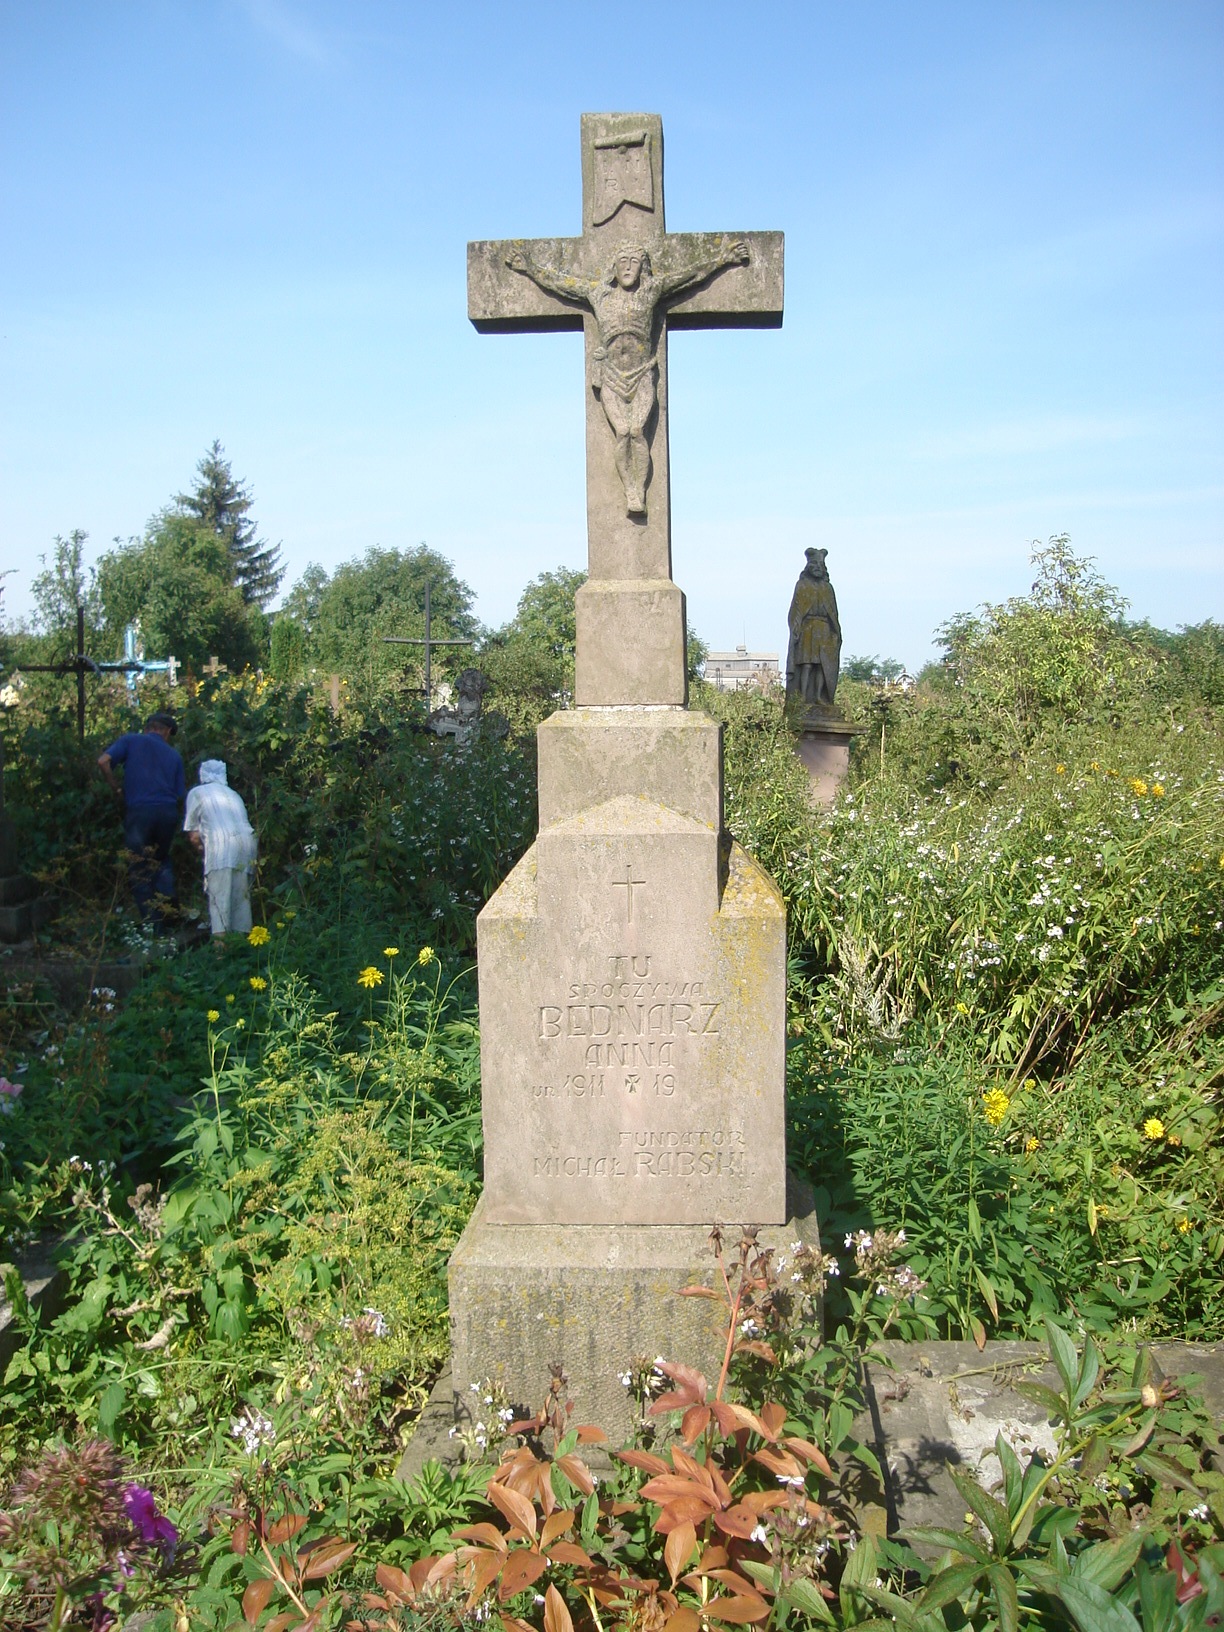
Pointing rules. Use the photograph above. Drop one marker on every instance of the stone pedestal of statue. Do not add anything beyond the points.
(822, 747)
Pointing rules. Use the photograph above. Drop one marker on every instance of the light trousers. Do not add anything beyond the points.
(229, 899)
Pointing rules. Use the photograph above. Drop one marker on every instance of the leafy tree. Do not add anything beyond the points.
(288, 648)
(1059, 652)
(177, 581)
(530, 661)
(63, 585)
(873, 671)
(223, 505)
(383, 593)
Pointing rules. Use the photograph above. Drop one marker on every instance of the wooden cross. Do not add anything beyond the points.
(429, 643)
(693, 281)
(213, 668)
(80, 664)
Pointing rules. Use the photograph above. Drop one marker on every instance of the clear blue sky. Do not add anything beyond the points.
(1004, 224)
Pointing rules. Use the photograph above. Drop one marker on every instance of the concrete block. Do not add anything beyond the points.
(668, 755)
(631, 643)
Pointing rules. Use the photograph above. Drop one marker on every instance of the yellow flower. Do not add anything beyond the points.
(229, 997)
(239, 1025)
(962, 1008)
(1060, 770)
(1157, 790)
(1138, 786)
(259, 936)
(290, 912)
(258, 983)
(1183, 1224)
(1095, 765)
(1031, 1144)
(280, 923)
(427, 954)
(1174, 1139)
(995, 1105)
(370, 977)
(213, 1016)
(1153, 1128)
(390, 951)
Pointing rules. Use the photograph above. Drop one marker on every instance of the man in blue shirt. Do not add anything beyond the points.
(154, 786)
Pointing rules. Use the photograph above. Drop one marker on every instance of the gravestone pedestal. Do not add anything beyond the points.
(823, 749)
(632, 967)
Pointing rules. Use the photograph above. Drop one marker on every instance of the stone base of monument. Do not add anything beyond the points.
(823, 749)
(593, 1299)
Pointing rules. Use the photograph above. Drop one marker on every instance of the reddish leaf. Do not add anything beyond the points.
(809, 1453)
(683, 1620)
(568, 1552)
(737, 1521)
(685, 1509)
(257, 1597)
(714, 1557)
(325, 1557)
(732, 1579)
(760, 1501)
(483, 1570)
(679, 1549)
(726, 1416)
(240, 1538)
(577, 1472)
(686, 1464)
(697, 1292)
(744, 1418)
(978, 1330)
(392, 1579)
(773, 1416)
(753, 1345)
(286, 1528)
(556, 1525)
(280, 1623)
(694, 1423)
(740, 1610)
(519, 1571)
(721, 1488)
(556, 1615)
(512, 1623)
(647, 1461)
(780, 1462)
(484, 1532)
(512, 1506)
(668, 1486)
(589, 1434)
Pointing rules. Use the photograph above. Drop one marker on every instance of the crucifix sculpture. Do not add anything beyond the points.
(627, 282)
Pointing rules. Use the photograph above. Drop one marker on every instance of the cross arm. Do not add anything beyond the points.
(502, 301)
(738, 297)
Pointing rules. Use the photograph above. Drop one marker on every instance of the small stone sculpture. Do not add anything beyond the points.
(462, 721)
(814, 653)
(625, 300)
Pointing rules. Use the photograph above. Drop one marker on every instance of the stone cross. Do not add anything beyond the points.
(627, 282)
(214, 667)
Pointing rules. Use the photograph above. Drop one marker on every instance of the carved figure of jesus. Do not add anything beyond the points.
(625, 300)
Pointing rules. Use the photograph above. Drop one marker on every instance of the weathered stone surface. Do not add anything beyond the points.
(632, 1028)
(593, 1299)
(824, 752)
(932, 1406)
(671, 755)
(631, 643)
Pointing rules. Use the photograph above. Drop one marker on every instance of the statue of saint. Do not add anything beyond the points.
(813, 654)
(625, 300)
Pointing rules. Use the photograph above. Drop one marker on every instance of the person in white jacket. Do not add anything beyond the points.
(216, 822)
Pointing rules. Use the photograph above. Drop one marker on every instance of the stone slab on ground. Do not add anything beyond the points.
(933, 1406)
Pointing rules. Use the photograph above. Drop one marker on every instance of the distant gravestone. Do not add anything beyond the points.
(632, 966)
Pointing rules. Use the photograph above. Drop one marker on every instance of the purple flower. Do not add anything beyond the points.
(153, 1528)
(8, 1094)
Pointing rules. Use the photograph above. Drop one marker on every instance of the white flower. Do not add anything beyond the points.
(760, 1534)
(1200, 1512)
(379, 1325)
(1055, 932)
(791, 1481)
(625, 1379)
(253, 1429)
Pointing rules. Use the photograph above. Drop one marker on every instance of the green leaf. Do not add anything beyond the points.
(110, 1403)
(975, 1223)
(1090, 1365)
(1062, 1352)
(992, 1513)
(988, 1292)
(950, 1584)
(953, 1541)
(1095, 1610)
(1109, 1562)
(808, 1598)
(862, 1567)
(1042, 1395)
(1013, 1476)
(1157, 1598)
(1007, 1600)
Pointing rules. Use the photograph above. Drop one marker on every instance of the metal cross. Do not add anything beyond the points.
(429, 643)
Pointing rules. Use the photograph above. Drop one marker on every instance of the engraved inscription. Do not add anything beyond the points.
(616, 1020)
(628, 884)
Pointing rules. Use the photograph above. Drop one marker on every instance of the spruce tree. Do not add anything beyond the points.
(223, 505)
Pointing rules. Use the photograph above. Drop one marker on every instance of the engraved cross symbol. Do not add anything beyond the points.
(628, 884)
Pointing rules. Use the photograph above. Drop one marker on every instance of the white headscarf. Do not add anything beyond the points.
(213, 770)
